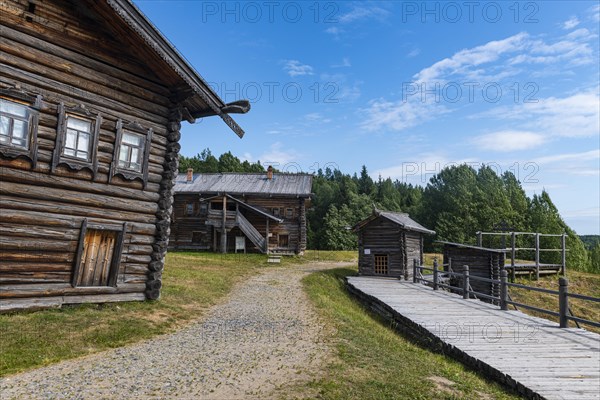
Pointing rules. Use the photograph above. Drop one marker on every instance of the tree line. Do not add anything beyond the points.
(456, 202)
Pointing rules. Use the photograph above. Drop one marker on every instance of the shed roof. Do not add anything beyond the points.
(296, 185)
(197, 97)
(468, 246)
(401, 219)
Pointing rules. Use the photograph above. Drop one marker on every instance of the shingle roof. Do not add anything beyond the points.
(246, 184)
(401, 219)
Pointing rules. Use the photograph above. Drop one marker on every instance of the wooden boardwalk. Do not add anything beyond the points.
(532, 355)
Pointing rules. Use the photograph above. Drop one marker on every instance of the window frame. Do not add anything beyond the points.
(379, 267)
(127, 173)
(279, 236)
(115, 264)
(189, 210)
(33, 105)
(289, 213)
(74, 163)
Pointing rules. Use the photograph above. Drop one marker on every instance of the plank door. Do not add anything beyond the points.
(97, 258)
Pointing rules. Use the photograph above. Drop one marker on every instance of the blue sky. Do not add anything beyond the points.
(405, 88)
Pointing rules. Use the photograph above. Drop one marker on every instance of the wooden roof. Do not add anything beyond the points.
(188, 87)
(401, 219)
(285, 185)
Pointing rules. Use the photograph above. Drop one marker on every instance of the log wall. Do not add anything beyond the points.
(183, 226)
(383, 237)
(66, 56)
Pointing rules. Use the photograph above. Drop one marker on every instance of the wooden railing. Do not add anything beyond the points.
(564, 314)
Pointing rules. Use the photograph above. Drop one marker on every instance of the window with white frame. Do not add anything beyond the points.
(78, 138)
(131, 151)
(14, 124)
(19, 115)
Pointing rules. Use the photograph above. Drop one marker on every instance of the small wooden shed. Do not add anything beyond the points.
(388, 242)
(482, 262)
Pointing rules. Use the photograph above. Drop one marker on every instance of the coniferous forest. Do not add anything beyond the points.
(456, 203)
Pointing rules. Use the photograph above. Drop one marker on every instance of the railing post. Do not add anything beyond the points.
(435, 274)
(415, 271)
(537, 256)
(465, 282)
(503, 290)
(513, 254)
(479, 239)
(563, 301)
(564, 254)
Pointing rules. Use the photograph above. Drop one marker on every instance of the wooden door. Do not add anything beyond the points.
(97, 258)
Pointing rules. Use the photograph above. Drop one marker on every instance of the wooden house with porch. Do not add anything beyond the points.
(229, 212)
(388, 244)
(92, 97)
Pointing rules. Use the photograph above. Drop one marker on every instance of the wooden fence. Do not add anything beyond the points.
(503, 300)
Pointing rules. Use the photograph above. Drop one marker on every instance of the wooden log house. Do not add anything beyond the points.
(388, 244)
(92, 98)
(228, 212)
(482, 262)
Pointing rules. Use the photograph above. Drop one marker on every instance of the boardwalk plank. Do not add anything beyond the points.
(530, 354)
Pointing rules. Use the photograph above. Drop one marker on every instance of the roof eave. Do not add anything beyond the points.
(134, 17)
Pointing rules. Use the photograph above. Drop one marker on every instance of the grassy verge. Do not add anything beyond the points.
(192, 282)
(372, 361)
(579, 282)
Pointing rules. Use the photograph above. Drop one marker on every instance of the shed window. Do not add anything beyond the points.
(131, 151)
(284, 240)
(78, 139)
(289, 213)
(14, 124)
(189, 209)
(381, 264)
(276, 212)
(197, 237)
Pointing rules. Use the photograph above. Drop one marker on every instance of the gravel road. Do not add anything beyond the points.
(263, 338)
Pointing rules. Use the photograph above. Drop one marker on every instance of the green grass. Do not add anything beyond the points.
(372, 361)
(579, 282)
(192, 282)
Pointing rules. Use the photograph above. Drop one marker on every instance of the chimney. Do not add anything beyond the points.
(270, 173)
(190, 175)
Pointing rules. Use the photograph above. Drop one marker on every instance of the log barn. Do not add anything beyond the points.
(92, 97)
(228, 212)
(483, 262)
(388, 244)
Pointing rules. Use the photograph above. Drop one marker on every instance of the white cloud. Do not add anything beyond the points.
(584, 156)
(413, 53)
(573, 116)
(497, 59)
(398, 115)
(344, 64)
(316, 118)
(278, 155)
(296, 68)
(336, 88)
(595, 13)
(508, 140)
(460, 62)
(362, 13)
(570, 23)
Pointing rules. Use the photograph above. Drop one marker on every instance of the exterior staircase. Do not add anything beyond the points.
(251, 233)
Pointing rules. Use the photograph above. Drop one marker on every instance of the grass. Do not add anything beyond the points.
(192, 282)
(372, 361)
(579, 282)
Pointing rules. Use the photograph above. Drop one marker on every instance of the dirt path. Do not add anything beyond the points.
(265, 336)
